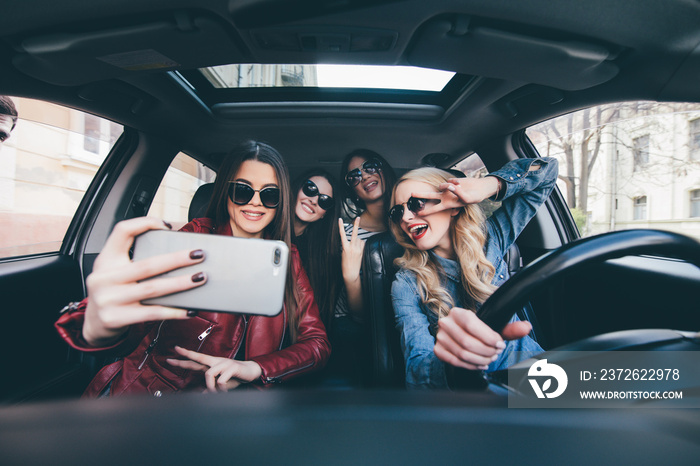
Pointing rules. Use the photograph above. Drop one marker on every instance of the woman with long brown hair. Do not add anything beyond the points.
(176, 350)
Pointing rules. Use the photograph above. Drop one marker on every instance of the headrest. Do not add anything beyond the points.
(200, 201)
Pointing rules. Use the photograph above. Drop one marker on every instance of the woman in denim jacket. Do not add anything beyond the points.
(453, 261)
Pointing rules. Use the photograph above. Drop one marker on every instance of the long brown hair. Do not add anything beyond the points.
(280, 227)
(320, 248)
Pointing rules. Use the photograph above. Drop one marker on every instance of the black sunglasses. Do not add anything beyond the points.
(311, 190)
(370, 167)
(241, 194)
(414, 204)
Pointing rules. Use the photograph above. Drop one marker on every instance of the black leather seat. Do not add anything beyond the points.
(200, 201)
(378, 272)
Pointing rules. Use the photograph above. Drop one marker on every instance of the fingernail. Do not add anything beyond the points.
(451, 187)
(191, 313)
(198, 277)
(494, 357)
(483, 368)
(500, 345)
(197, 254)
(169, 226)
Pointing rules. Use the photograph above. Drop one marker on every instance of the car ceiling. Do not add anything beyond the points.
(530, 60)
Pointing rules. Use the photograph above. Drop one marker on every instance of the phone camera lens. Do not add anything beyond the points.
(278, 256)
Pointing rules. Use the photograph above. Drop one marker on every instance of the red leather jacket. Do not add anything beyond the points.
(144, 369)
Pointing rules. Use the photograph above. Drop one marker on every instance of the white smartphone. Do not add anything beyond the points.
(243, 275)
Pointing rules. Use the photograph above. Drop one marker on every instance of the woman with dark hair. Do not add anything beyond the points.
(179, 350)
(368, 181)
(316, 236)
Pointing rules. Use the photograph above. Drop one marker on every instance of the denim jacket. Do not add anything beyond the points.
(522, 193)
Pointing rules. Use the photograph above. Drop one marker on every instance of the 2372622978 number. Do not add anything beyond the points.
(639, 374)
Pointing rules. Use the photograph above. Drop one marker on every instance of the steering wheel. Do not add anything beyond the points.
(497, 311)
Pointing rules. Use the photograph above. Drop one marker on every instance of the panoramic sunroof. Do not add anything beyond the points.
(327, 76)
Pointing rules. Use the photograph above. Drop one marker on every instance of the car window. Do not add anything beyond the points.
(46, 165)
(172, 200)
(628, 165)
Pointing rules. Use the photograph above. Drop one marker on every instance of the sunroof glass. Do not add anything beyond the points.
(328, 76)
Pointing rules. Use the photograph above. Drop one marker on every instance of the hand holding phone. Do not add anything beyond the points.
(114, 290)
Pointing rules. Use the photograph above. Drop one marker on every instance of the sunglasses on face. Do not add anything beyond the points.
(414, 204)
(311, 190)
(370, 167)
(241, 194)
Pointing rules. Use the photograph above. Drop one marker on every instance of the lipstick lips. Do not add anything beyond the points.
(418, 230)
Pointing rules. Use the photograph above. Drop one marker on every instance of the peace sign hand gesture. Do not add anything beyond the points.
(352, 251)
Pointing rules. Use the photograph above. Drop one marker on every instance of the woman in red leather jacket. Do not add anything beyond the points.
(169, 349)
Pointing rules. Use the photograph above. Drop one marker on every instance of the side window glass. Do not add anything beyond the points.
(628, 165)
(473, 167)
(172, 200)
(46, 165)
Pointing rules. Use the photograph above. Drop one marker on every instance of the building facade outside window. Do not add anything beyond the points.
(695, 203)
(694, 142)
(640, 149)
(640, 208)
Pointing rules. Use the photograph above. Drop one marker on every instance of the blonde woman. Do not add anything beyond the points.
(453, 262)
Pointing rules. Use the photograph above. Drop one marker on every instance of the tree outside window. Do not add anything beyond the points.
(640, 208)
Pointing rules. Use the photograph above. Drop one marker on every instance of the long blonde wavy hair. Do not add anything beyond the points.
(468, 234)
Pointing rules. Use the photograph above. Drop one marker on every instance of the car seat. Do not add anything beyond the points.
(200, 201)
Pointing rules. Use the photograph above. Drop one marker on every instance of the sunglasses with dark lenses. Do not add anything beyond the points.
(370, 167)
(311, 190)
(241, 194)
(414, 204)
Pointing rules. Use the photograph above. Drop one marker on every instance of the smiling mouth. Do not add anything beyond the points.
(307, 208)
(417, 231)
(370, 186)
(253, 215)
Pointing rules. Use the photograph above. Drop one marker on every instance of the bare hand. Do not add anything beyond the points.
(114, 289)
(352, 252)
(464, 340)
(220, 374)
(459, 192)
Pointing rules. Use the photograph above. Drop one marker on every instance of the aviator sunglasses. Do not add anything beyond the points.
(370, 167)
(311, 190)
(241, 194)
(414, 204)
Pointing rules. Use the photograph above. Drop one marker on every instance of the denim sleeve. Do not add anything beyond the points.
(423, 368)
(522, 193)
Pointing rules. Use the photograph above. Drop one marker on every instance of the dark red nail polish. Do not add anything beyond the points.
(191, 313)
(197, 254)
(169, 226)
(198, 277)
